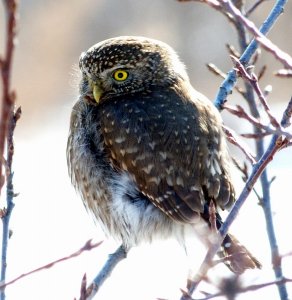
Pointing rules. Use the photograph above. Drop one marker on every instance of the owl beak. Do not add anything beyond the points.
(96, 93)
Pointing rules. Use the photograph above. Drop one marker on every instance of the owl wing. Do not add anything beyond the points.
(170, 150)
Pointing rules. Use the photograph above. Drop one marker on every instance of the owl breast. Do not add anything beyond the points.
(111, 195)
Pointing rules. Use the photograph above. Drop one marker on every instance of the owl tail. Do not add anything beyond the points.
(236, 257)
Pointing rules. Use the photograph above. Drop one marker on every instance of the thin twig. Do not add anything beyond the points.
(252, 79)
(262, 72)
(241, 113)
(253, 8)
(87, 247)
(231, 49)
(230, 134)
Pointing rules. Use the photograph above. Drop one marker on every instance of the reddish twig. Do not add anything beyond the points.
(230, 134)
(252, 79)
(241, 113)
(87, 247)
(280, 55)
(8, 97)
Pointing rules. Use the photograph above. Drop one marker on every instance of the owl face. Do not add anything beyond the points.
(127, 65)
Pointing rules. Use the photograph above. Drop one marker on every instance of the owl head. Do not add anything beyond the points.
(126, 65)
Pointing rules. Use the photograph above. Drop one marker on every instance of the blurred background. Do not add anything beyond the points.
(49, 220)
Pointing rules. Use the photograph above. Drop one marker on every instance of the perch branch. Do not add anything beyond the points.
(105, 272)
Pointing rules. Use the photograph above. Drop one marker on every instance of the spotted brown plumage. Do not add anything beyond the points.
(145, 150)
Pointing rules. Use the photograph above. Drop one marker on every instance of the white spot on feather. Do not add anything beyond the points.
(148, 169)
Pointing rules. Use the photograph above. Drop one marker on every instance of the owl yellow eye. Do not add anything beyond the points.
(120, 75)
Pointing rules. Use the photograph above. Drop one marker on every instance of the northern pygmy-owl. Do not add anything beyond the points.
(145, 150)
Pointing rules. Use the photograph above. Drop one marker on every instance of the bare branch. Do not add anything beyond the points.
(280, 55)
(230, 80)
(8, 98)
(241, 113)
(87, 247)
(8, 120)
(230, 134)
(252, 79)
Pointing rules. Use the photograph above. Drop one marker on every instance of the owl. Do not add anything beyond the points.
(145, 150)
